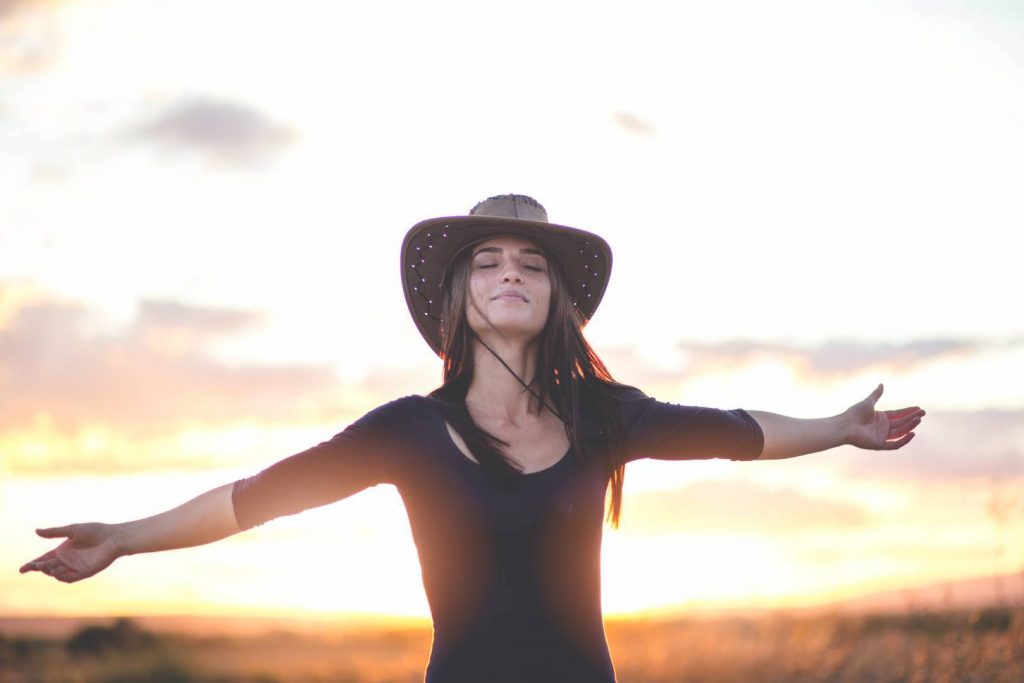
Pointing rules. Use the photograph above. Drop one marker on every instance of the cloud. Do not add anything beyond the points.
(387, 383)
(711, 506)
(949, 446)
(831, 360)
(9, 7)
(29, 35)
(156, 375)
(631, 123)
(189, 327)
(834, 357)
(153, 375)
(221, 131)
(79, 397)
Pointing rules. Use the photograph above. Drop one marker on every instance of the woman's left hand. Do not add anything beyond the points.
(880, 430)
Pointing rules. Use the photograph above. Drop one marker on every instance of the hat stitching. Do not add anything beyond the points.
(415, 268)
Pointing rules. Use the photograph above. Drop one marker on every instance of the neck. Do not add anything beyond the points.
(494, 391)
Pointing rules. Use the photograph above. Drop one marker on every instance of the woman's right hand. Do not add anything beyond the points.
(89, 549)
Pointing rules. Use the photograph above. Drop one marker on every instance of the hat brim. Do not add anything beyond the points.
(430, 246)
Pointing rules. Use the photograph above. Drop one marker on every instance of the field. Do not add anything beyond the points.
(933, 647)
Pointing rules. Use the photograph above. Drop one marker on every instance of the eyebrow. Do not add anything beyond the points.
(499, 250)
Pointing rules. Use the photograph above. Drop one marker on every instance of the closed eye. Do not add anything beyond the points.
(536, 269)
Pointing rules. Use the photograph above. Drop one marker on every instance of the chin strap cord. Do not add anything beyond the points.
(518, 379)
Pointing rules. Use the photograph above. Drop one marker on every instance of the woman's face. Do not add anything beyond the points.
(509, 289)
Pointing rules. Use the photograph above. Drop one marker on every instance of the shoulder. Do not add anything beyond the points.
(628, 399)
(391, 427)
(404, 405)
(624, 393)
(397, 413)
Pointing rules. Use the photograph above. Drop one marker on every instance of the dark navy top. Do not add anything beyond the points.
(512, 576)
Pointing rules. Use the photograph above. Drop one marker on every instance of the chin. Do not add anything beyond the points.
(510, 331)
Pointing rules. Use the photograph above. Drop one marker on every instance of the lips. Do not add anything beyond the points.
(509, 294)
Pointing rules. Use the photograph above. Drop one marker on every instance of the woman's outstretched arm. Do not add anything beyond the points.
(90, 548)
(859, 425)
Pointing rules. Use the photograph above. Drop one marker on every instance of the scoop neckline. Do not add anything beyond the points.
(473, 463)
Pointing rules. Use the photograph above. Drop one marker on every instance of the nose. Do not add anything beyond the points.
(512, 274)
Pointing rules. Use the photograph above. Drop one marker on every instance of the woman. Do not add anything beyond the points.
(504, 468)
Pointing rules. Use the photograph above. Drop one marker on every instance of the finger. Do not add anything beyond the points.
(897, 422)
(49, 566)
(874, 395)
(41, 563)
(902, 433)
(902, 412)
(56, 531)
(900, 423)
(899, 443)
(904, 425)
(32, 566)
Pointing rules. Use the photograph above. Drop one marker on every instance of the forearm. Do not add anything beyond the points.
(204, 519)
(788, 437)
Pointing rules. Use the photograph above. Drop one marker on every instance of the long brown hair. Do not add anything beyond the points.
(584, 402)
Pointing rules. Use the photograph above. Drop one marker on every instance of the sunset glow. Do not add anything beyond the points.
(200, 221)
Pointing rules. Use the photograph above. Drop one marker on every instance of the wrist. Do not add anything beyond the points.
(120, 535)
(844, 427)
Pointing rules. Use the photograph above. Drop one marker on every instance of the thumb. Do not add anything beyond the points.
(874, 395)
(56, 531)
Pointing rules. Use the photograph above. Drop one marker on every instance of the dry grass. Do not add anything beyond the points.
(922, 647)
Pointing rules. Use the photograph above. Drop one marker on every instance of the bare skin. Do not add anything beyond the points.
(859, 425)
(509, 299)
(510, 326)
(91, 547)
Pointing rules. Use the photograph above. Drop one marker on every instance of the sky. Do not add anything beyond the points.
(201, 209)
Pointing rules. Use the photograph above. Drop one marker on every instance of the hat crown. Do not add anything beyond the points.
(511, 206)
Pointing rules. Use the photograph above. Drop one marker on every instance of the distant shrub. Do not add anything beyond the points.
(991, 619)
(20, 650)
(124, 636)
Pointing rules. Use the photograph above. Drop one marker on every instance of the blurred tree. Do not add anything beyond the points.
(124, 635)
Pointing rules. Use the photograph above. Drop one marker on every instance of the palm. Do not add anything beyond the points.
(89, 549)
(881, 429)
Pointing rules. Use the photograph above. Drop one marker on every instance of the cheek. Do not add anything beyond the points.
(545, 298)
(477, 288)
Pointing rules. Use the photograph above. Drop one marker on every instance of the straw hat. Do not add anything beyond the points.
(430, 246)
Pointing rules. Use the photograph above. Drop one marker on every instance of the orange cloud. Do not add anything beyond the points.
(152, 376)
(150, 395)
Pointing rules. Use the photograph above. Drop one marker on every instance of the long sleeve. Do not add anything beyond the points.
(667, 431)
(365, 454)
